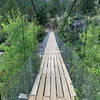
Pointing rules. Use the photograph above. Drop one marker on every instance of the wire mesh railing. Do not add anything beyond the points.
(86, 82)
(21, 82)
(20, 86)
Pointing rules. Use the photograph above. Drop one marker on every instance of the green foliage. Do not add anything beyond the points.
(26, 8)
(2, 37)
(99, 2)
(55, 7)
(92, 55)
(2, 6)
(68, 31)
(89, 71)
(85, 69)
(3, 48)
(42, 10)
(88, 7)
(66, 4)
(96, 20)
(1, 18)
(7, 6)
(11, 5)
(23, 37)
(41, 34)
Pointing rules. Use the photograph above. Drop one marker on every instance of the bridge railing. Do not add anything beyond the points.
(85, 82)
(21, 83)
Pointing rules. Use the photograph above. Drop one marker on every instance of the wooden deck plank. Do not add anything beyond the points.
(52, 64)
(60, 98)
(59, 87)
(69, 82)
(60, 66)
(47, 86)
(58, 81)
(56, 66)
(53, 81)
(65, 89)
(49, 62)
(64, 83)
(53, 88)
(46, 64)
(32, 98)
(41, 88)
(36, 84)
(46, 98)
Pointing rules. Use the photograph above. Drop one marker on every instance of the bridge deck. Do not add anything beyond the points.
(53, 81)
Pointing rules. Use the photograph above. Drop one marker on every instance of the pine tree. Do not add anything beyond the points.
(11, 5)
(55, 7)
(88, 7)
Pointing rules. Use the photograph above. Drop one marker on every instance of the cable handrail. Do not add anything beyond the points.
(74, 3)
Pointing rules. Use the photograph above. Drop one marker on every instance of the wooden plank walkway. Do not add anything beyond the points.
(53, 81)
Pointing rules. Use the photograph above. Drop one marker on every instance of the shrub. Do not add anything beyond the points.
(23, 37)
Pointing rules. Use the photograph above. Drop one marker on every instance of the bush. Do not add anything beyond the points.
(41, 34)
(23, 37)
(92, 55)
(70, 29)
(2, 37)
(3, 48)
(96, 20)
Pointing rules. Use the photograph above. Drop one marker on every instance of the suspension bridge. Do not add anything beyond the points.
(53, 81)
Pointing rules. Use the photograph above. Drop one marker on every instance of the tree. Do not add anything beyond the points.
(99, 2)
(55, 7)
(11, 5)
(88, 7)
(41, 9)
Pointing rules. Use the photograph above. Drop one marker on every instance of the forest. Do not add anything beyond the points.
(23, 25)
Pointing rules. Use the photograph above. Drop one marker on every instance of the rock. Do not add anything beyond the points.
(1, 53)
(23, 97)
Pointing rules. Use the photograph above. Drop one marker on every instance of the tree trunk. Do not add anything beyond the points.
(0, 97)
